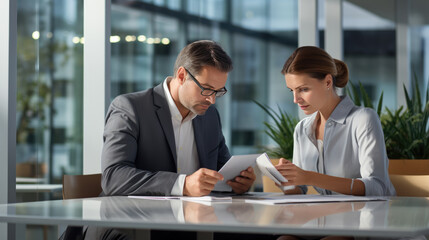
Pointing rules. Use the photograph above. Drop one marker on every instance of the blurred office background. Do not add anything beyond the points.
(146, 36)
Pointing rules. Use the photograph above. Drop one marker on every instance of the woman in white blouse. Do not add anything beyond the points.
(339, 147)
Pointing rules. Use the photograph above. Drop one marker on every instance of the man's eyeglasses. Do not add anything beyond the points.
(208, 91)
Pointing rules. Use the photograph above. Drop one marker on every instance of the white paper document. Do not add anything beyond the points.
(268, 169)
(284, 199)
(232, 169)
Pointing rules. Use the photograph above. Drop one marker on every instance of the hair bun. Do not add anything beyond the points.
(342, 76)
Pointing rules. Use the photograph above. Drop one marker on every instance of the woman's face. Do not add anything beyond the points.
(309, 93)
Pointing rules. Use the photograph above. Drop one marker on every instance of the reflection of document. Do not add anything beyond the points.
(154, 197)
(311, 199)
(232, 169)
(268, 169)
(193, 199)
(207, 200)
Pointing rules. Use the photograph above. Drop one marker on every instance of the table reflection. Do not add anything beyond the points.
(196, 213)
(299, 214)
(398, 217)
(345, 215)
(115, 208)
(176, 211)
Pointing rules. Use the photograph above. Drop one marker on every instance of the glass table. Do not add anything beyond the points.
(397, 217)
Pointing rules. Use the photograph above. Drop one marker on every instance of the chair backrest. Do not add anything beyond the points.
(81, 186)
(411, 185)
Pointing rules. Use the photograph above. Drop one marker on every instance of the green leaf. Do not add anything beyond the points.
(416, 92)
(366, 100)
(409, 101)
(355, 97)
(380, 104)
(280, 130)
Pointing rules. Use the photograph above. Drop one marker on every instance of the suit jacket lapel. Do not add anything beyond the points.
(164, 117)
(199, 141)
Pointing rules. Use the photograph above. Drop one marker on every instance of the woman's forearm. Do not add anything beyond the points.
(336, 184)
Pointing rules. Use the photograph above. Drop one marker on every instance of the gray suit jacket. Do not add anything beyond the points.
(139, 153)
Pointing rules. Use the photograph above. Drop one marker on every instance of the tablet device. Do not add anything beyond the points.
(232, 169)
(268, 169)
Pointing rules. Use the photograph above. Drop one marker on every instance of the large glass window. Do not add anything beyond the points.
(146, 37)
(419, 42)
(256, 34)
(370, 49)
(210, 9)
(49, 92)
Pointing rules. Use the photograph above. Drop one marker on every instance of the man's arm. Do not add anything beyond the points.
(120, 174)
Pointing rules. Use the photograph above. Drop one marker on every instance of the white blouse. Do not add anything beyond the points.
(353, 147)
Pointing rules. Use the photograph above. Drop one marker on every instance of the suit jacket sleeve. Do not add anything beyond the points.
(120, 175)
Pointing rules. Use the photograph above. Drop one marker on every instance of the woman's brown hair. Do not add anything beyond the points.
(317, 63)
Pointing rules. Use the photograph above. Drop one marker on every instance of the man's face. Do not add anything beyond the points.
(190, 93)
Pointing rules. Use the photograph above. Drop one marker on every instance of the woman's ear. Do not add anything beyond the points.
(329, 81)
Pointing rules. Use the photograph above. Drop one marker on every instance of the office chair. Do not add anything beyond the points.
(81, 186)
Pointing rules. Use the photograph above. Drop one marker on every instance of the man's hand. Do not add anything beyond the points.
(201, 182)
(242, 183)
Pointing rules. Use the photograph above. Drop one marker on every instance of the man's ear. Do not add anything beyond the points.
(181, 75)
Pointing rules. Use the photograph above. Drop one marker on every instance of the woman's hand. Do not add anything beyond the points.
(294, 174)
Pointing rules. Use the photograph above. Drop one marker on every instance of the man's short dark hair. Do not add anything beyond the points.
(203, 53)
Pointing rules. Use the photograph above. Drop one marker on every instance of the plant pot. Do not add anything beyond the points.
(409, 166)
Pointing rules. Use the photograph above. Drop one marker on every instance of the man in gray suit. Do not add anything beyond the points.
(168, 140)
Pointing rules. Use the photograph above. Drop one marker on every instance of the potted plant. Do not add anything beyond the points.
(280, 130)
(406, 133)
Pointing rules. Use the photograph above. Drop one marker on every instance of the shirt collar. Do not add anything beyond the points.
(174, 111)
(339, 114)
(342, 110)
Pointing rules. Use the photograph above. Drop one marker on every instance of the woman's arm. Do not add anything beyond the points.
(298, 176)
(372, 154)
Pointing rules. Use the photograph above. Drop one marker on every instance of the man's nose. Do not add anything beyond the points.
(211, 98)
